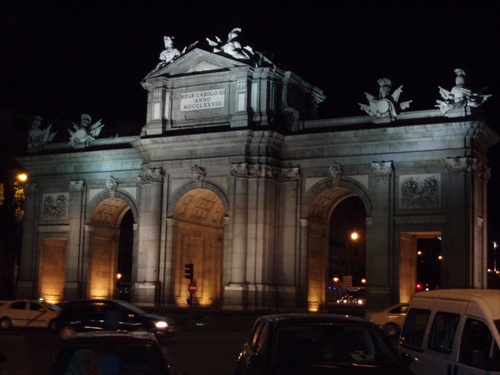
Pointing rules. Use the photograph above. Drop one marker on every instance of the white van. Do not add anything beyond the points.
(453, 332)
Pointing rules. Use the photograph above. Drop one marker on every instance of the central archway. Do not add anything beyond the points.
(198, 238)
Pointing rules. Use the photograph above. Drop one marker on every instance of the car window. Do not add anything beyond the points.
(34, 306)
(262, 339)
(52, 307)
(110, 359)
(19, 305)
(478, 348)
(129, 307)
(414, 328)
(331, 344)
(255, 334)
(443, 332)
(399, 310)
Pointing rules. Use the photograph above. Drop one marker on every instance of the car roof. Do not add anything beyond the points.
(485, 297)
(312, 318)
(111, 337)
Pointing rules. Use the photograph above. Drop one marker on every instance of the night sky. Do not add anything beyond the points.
(59, 59)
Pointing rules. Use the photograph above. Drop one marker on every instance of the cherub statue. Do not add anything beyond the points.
(37, 137)
(459, 96)
(169, 53)
(383, 106)
(83, 133)
(232, 47)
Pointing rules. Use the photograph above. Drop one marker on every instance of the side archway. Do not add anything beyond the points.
(329, 255)
(198, 238)
(106, 218)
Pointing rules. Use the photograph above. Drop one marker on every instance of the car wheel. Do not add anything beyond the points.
(5, 324)
(66, 332)
(391, 330)
(53, 325)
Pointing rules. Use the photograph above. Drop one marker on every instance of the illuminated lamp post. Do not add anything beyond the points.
(336, 286)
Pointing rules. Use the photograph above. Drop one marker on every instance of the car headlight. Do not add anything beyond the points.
(161, 324)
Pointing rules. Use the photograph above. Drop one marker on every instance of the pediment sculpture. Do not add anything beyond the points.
(38, 137)
(169, 53)
(232, 47)
(84, 133)
(459, 96)
(385, 104)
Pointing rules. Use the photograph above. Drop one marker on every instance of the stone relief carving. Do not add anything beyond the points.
(55, 206)
(262, 170)
(152, 175)
(458, 164)
(84, 133)
(384, 105)
(111, 183)
(38, 137)
(238, 170)
(459, 96)
(76, 185)
(382, 168)
(336, 170)
(420, 191)
(289, 174)
(199, 173)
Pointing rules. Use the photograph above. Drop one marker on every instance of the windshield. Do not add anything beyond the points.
(330, 344)
(103, 358)
(51, 306)
(129, 306)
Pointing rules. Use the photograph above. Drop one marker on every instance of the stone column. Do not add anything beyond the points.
(146, 287)
(30, 247)
(236, 292)
(74, 250)
(240, 224)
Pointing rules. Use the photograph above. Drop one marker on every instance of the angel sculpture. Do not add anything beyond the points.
(37, 137)
(459, 96)
(83, 133)
(232, 47)
(383, 106)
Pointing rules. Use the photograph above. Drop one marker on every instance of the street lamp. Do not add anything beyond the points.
(22, 177)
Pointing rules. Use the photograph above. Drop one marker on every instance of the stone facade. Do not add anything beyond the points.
(234, 173)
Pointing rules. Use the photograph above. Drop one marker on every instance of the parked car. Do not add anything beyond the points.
(318, 344)
(29, 314)
(103, 352)
(391, 319)
(107, 314)
(454, 331)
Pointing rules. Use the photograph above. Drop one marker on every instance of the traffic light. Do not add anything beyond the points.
(189, 271)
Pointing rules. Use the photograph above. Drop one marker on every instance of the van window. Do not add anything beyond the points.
(414, 328)
(443, 331)
(477, 347)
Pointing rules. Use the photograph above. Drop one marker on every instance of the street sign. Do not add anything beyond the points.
(192, 287)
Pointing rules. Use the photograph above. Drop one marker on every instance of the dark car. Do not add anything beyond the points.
(99, 314)
(318, 344)
(103, 352)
